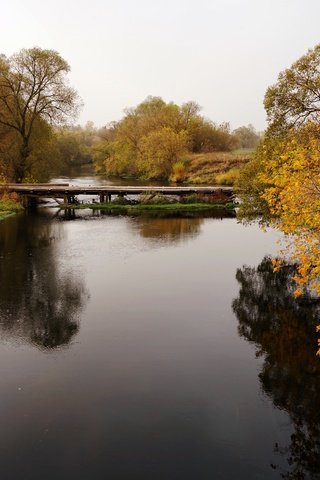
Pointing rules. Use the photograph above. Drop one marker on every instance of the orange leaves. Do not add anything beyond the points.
(291, 174)
(290, 171)
(276, 264)
(298, 292)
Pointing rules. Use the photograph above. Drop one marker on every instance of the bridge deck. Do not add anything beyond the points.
(59, 190)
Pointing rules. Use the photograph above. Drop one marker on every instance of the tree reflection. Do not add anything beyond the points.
(169, 226)
(283, 330)
(177, 227)
(39, 303)
(168, 229)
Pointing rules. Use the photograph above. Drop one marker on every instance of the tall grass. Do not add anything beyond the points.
(214, 167)
(9, 204)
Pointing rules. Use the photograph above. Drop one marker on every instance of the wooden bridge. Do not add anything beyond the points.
(67, 194)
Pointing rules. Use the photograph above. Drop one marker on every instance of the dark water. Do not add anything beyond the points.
(141, 348)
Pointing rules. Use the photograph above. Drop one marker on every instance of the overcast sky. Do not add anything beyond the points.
(221, 53)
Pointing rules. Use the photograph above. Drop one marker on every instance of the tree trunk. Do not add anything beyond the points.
(21, 166)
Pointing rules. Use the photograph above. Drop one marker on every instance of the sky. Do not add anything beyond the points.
(223, 54)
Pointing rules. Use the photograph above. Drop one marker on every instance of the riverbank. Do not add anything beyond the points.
(9, 207)
(163, 208)
(210, 168)
(216, 168)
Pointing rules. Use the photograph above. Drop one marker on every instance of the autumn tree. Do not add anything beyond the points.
(160, 150)
(154, 136)
(295, 98)
(33, 87)
(286, 169)
(291, 176)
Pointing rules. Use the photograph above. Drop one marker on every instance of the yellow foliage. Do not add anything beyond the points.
(291, 174)
(178, 172)
(160, 150)
(229, 177)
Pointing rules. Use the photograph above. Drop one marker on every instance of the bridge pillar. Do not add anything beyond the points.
(101, 198)
(69, 199)
(28, 201)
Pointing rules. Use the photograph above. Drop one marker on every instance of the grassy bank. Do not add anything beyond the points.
(138, 209)
(8, 207)
(220, 168)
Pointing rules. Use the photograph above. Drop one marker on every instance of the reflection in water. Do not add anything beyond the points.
(165, 225)
(176, 228)
(38, 303)
(283, 331)
(168, 229)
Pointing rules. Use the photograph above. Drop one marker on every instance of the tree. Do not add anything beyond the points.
(75, 144)
(286, 170)
(247, 137)
(160, 150)
(295, 98)
(291, 176)
(33, 86)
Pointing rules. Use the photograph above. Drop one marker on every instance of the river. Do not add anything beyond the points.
(152, 349)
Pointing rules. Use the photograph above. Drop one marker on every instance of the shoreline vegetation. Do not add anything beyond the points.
(210, 168)
(157, 205)
(9, 207)
(165, 209)
(159, 141)
(216, 168)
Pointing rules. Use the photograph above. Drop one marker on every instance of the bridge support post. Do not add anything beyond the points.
(101, 198)
(28, 201)
(68, 199)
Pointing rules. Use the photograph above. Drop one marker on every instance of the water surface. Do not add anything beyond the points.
(144, 348)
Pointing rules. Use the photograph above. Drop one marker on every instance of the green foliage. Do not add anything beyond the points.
(8, 205)
(164, 209)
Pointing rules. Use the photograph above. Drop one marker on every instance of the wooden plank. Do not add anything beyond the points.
(106, 190)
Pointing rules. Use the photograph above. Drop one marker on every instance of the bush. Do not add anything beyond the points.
(179, 172)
